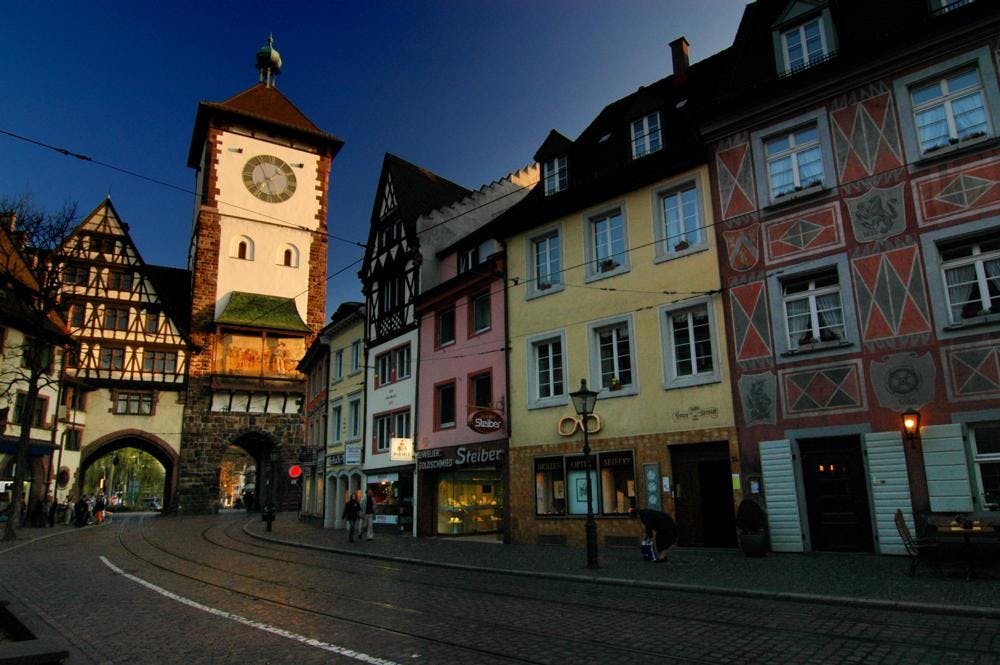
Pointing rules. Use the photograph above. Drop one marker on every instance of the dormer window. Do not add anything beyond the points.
(803, 37)
(804, 45)
(646, 135)
(555, 175)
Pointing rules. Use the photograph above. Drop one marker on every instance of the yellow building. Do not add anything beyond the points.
(613, 278)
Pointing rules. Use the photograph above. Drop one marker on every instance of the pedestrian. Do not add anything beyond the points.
(70, 501)
(659, 527)
(99, 505)
(369, 512)
(53, 510)
(82, 510)
(351, 511)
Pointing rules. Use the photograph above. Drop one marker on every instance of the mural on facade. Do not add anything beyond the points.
(958, 193)
(973, 370)
(879, 212)
(759, 397)
(252, 355)
(736, 188)
(743, 247)
(802, 234)
(814, 391)
(904, 380)
(865, 134)
(892, 301)
(751, 331)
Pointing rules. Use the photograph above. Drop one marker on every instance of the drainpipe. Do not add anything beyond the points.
(506, 360)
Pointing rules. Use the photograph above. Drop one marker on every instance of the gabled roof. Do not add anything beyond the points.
(417, 190)
(18, 289)
(554, 145)
(261, 104)
(254, 310)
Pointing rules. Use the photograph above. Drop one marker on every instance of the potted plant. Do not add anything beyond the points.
(608, 264)
(751, 524)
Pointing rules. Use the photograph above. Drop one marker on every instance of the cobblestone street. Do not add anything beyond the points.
(208, 590)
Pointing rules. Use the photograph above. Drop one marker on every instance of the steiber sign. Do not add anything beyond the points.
(486, 421)
(486, 454)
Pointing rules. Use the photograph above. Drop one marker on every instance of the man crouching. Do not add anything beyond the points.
(660, 527)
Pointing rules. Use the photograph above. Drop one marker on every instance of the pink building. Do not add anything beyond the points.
(461, 440)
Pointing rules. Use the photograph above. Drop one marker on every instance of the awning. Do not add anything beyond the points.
(258, 311)
(36, 447)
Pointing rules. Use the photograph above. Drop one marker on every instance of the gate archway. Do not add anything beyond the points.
(258, 444)
(159, 449)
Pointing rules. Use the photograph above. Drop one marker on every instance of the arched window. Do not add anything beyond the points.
(288, 255)
(242, 248)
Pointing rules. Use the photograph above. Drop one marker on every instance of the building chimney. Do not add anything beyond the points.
(679, 53)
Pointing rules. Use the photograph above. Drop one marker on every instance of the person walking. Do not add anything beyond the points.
(659, 527)
(70, 501)
(351, 511)
(369, 510)
(99, 505)
(82, 509)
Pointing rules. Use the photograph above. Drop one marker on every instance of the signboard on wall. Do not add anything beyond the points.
(481, 454)
(352, 453)
(400, 449)
(486, 421)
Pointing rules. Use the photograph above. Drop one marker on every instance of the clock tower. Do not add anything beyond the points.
(258, 262)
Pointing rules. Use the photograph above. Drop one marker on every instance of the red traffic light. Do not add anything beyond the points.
(294, 471)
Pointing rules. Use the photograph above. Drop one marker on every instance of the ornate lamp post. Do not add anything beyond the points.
(911, 426)
(583, 402)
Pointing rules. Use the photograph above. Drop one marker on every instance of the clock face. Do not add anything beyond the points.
(268, 178)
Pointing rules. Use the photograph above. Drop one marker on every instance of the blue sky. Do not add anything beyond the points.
(466, 89)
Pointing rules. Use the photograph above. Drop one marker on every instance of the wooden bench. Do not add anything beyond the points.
(919, 549)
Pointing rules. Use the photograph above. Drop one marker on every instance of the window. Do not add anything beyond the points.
(607, 244)
(391, 294)
(555, 175)
(794, 161)
(75, 274)
(355, 356)
(389, 426)
(813, 311)
(949, 105)
(392, 366)
(614, 353)
(986, 457)
(971, 271)
(939, 7)
(159, 361)
(479, 310)
(689, 341)
(545, 263)
(401, 360)
(446, 327)
(804, 45)
(116, 318)
(444, 405)
(949, 110)
(468, 259)
(354, 418)
(71, 440)
(646, 135)
(288, 255)
(112, 358)
(241, 248)
(481, 389)
(152, 320)
(119, 280)
(336, 423)
(75, 398)
(41, 407)
(133, 403)
(546, 382)
(679, 220)
(561, 484)
(794, 158)
(77, 315)
(44, 358)
(338, 365)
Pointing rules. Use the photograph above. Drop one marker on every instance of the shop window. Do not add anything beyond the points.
(550, 486)
(469, 501)
(986, 457)
(444, 405)
(561, 484)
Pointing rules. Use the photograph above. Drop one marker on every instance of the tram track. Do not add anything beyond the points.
(257, 595)
(853, 627)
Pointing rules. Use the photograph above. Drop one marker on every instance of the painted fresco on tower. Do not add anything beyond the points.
(254, 355)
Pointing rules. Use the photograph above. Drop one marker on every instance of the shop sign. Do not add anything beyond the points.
(447, 458)
(486, 421)
(400, 449)
(352, 453)
(336, 459)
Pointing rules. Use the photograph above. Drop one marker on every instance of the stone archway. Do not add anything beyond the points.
(161, 451)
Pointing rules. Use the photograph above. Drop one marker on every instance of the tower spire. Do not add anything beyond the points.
(268, 63)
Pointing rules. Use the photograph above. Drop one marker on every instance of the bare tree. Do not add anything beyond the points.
(31, 277)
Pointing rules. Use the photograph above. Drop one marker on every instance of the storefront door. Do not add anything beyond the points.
(836, 494)
(703, 495)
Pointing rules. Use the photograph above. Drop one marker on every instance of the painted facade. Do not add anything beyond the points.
(860, 258)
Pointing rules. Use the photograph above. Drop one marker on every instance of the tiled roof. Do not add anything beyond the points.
(259, 311)
(418, 191)
(173, 287)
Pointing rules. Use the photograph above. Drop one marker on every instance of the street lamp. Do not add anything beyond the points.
(911, 426)
(583, 402)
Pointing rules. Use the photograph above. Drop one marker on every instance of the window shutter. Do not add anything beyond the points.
(947, 469)
(890, 488)
(781, 496)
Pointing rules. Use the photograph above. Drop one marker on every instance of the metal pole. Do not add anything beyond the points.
(591, 525)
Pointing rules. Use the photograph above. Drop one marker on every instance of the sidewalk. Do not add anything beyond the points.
(864, 580)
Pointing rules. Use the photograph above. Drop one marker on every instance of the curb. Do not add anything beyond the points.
(789, 596)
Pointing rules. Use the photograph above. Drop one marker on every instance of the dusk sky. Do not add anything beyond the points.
(466, 89)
